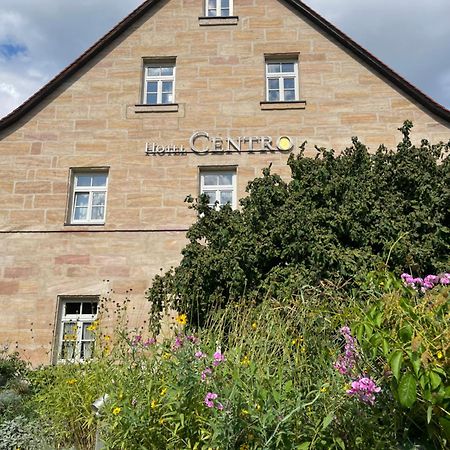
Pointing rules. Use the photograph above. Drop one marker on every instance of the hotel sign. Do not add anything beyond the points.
(201, 143)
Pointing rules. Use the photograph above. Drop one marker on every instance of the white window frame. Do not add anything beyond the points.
(79, 321)
(218, 187)
(90, 190)
(218, 8)
(281, 77)
(159, 79)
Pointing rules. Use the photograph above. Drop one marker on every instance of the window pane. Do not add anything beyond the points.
(167, 71)
(99, 180)
(73, 308)
(154, 71)
(225, 179)
(81, 199)
(167, 87)
(90, 308)
(152, 99)
(152, 87)
(98, 198)
(166, 98)
(289, 95)
(289, 83)
(86, 350)
(211, 197)
(210, 180)
(68, 350)
(274, 83)
(83, 180)
(287, 67)
(274, 96)
(98, 213)
(226, 197)
(69, 331)
(273, 68)
(225, 4)
(80, 213)
(225, 12)
(88, 334)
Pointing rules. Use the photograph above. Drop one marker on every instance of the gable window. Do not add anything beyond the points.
(76, 326)
(88, 197)
(282, 81)
(219, 186)
(159, 83)
(219, 8)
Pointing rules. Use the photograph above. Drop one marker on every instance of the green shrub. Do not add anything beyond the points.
(338, 218)
(406, 334)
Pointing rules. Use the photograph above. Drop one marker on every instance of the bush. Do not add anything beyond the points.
(338, 218)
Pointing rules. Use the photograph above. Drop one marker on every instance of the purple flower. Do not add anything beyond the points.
(193, 339)
(205, 373)
(218, 358)
(178, 342)
(136, 340)
(346, 362)
(364, 389)
(149, 342)
(445, 279)
(199, 354)
(209, 399)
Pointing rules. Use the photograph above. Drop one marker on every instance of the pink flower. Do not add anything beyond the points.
(136, 340)
(149, 342)
(365, 389)
(205, 373)
(199, 354)
(218, 358)
(209, 399)
(346, 362)
(192, 338)
(178, 343)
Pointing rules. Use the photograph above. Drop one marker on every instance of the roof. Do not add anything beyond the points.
(378, 66)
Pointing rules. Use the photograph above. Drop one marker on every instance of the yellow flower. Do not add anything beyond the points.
(245, 361)
(254, 325)
(93, 326)
(116, 410)
(323, 389)
(161, 421)
(71, 381)
(439, 355)
(163, 392)
(107, 337)
(166, 355)
(153, 404)
(244, 412)
(181, 319)
(257, 406)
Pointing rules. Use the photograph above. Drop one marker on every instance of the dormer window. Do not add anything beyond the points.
(219, 8)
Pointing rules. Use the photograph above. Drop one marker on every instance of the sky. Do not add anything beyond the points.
(40, 38)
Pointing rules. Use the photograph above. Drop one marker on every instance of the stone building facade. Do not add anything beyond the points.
(175, 100)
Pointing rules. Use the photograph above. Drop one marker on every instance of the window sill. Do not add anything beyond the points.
(170, 107)
(299, 104)
(84, 224)
(215, 21)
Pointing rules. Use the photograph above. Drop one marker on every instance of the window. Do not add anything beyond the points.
(76, 328)
(159, 83)
(282, 81)
(88, 197)
(219, 186)
(219, 8)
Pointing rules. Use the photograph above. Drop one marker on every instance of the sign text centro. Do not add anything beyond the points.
(202, 143)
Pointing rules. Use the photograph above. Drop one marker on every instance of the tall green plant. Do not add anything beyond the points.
(338, 218)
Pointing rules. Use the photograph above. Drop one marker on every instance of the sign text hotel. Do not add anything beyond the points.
(202, 143)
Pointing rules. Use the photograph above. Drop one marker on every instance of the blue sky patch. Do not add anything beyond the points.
(10, 50)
